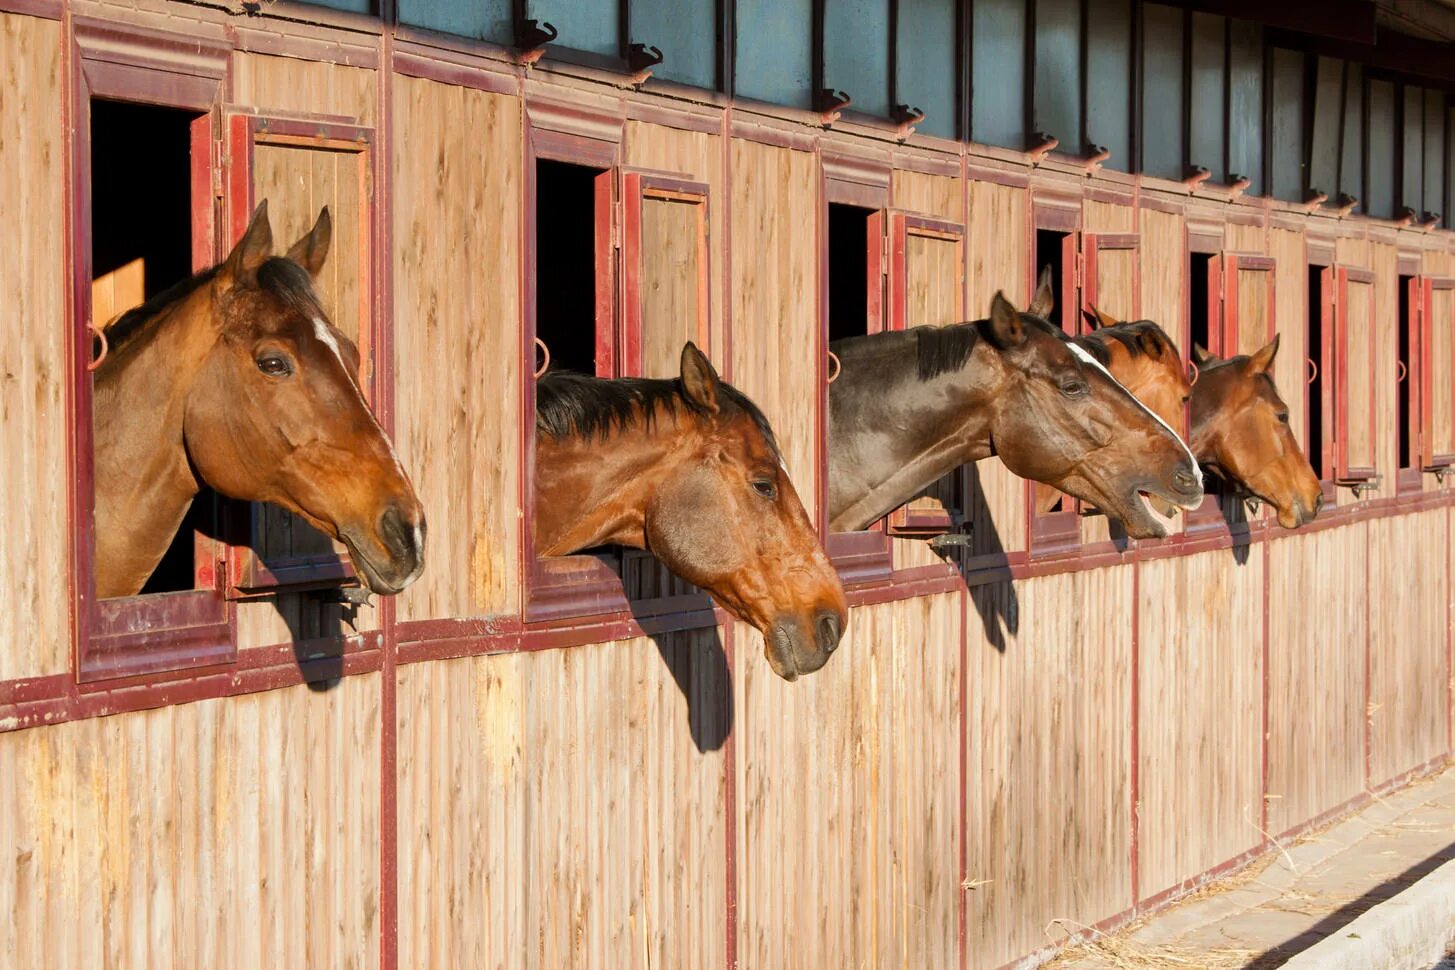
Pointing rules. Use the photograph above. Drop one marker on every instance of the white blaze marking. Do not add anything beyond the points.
(1086, 358)
(321, 331)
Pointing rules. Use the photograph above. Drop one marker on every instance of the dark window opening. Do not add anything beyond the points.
(1199, 315)
(849, 281)
(566, 264)
(1314, 443)
(141, 236)
(1050, 247)
(1405, 389)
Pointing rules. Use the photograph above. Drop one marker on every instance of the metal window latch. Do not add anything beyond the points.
(1369, 485)
(354, 596)
(952, 540)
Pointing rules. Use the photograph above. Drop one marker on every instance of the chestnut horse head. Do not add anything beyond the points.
(1240, 432)
(910, 406)
(688, 469)
(236, 379)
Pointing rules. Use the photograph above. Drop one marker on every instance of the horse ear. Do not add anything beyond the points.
(1045, 300)
(1106, 319)
(1005, 330)
(255, 246)
(310, 251)
(1200, 354)
(1263, 359)
(1092, 320)
(699, 380)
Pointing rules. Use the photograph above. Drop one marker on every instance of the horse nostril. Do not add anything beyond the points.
(828, 632)
(1318, 502)
(1185, 480)
(397, 532)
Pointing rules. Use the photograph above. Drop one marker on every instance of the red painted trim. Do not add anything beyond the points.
(1367, 720)
(1162, 898)
(730, 804)
(310, 41)
(1265, 701)
(47, 9)
(962, 905)
(1134, 807)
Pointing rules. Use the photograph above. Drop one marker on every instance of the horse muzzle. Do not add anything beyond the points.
(801, 645)
(392, 557)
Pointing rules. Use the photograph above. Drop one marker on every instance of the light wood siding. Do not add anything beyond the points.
(696, 156)
(931, 195)
(456, 315)
(565, 807)
(847, 796)
(241, 832)
(34, 369)
(998, 255)
(1049, 679)
(776, 330)
(1290, 283)
(1098, 216)
(289, 84)
(1316, 643)
(1407, 675)
(1200, 648)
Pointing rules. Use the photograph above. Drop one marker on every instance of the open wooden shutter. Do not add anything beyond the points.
(666, 300)
(299, 167)
(1248, 303)
(1355, 356)
(1109, 277)
(665, 288)
(927, 288)
(1435, 354)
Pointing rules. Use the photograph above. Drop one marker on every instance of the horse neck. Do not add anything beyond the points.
(891, 434)
(592, 491)
(143, 481)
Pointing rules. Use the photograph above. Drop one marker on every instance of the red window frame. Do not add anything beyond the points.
(1345, 472)
(1221, 342)
(249, 574)
(165, 631)
(560, 589)
(1054, 535)
(1423, 357)
(863, 556)
(908, 521)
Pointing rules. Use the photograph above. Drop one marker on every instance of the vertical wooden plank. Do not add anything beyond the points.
(34, 631)
(456, 272)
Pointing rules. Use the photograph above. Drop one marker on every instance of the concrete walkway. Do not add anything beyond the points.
(1268, 913)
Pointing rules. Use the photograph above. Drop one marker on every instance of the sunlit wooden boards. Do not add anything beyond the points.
(774, 285)
(1316, 642)
(34, 636)
(233, 833)
(566, 807)
(1408, 675)
(847, 805)
(456, 353)
(1047, 773)
(1200, 752)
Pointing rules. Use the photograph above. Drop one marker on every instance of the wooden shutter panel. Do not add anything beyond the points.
(1436, 356)
(1354, 360)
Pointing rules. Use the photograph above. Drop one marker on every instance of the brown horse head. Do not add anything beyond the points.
(689, 470)
(1145, 361)
(1240, 432)
(265, 398)
(910, 406)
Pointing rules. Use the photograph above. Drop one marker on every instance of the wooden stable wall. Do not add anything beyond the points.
(1005, 750)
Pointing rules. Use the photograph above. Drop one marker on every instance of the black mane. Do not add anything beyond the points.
(937, 349)
(1141, 338)
(570, 404)
(281, 277)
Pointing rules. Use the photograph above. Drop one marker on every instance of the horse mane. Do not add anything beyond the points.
(570, 404)
(134, 321)
(281, 277)
(937, 349)
(1141, 338)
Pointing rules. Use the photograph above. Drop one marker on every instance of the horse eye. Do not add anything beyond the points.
(274, 365)
(1186, 398)
(1283, 417)
(1074, 388)
(764, 488)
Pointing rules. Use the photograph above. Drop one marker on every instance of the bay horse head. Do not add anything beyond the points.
(1240, 432)
(1145, 361)
(688, 469)
(910, 406)
(236, 379)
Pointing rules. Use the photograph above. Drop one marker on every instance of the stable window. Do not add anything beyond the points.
(622, 283)
(1354, 357)
(1207, 328)
(1435, 354)
(1409, 367)
(1055, 517)
(1318, 404)
(144, 220)
(927, 288)
(299, 168)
